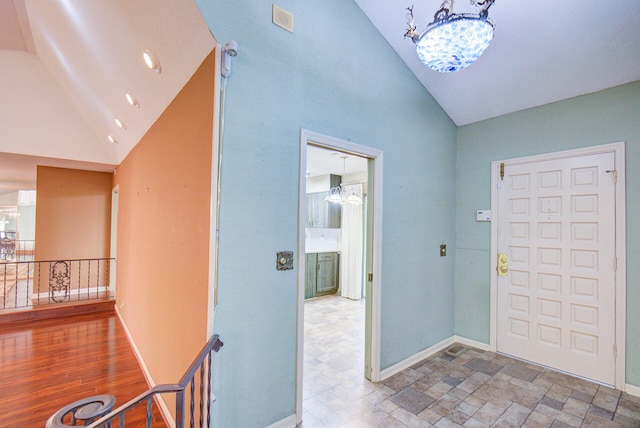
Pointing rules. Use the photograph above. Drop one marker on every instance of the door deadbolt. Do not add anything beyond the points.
(503, 265)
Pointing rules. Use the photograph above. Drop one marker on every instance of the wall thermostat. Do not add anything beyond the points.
(483, 215)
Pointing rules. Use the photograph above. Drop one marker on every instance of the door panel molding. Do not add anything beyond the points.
(618, 149)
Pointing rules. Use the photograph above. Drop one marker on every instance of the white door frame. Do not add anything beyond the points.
(113, 242)
(307, 137)
(216, 182)
(621, 272)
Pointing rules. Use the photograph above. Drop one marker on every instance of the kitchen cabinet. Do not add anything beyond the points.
(321, 213)
(317, 210)
(311, 267)
(322, 274)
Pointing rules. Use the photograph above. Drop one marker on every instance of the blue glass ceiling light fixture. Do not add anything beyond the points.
(453, 41)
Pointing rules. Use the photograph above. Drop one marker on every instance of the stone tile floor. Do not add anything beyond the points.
(475, 389)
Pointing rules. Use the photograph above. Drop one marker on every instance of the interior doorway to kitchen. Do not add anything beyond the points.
(340, 218)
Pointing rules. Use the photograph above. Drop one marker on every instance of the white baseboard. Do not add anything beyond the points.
(288, 422)
(414, 359)
(472, 343)
(166, 413)
(632, 390)
(73, 293)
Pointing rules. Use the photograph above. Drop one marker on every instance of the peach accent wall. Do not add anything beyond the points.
(164, 210)
(73, 214)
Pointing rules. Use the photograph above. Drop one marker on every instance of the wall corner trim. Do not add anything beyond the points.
(288, 422)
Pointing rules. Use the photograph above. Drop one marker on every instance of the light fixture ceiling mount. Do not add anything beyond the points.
(453, 41)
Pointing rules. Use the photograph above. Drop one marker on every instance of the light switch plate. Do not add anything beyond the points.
(483, 215)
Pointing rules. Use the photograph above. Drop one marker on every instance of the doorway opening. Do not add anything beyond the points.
(338, 268)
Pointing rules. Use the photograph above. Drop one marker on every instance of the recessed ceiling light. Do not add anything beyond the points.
(120, 123)
(151, 60)
(112, 140)
(132, 100)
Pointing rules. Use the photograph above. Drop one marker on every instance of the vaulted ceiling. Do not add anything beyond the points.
(70, 63)
(66, 65)
(543, 51)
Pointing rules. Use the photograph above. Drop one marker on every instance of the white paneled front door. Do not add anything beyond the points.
(556, 299)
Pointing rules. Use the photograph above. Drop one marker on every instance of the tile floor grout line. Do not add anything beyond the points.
(496, 389)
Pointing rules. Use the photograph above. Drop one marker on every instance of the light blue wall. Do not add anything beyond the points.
(605, 117)
(337, 76)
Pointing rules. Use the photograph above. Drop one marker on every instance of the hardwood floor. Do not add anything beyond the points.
(47, 364)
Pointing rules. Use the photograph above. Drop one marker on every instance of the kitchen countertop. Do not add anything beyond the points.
(322, 250)
(322, 240)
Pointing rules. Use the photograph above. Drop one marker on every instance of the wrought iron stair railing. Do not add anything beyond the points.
(194, 386)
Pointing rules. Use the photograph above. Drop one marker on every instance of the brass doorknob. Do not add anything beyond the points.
(503, 264)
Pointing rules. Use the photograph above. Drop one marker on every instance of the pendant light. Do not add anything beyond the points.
(337, 194)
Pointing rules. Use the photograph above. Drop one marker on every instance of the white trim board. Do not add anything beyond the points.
(430, 351)
(621, 280)
(288, 422)
(77, 294)
(416, 358)
(216, 159)
(164, 409)
(632, 390)
(471, 343)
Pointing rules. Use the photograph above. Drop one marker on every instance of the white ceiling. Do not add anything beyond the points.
(322, 161)
(543, 51)
(92, 51)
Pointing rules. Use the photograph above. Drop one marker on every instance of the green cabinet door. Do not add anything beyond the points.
(334, 211)
(317, 210)
(327, 279)
(321, 213)
(311, 266)
(322, 274)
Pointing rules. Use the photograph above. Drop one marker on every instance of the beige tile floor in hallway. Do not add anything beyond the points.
(475, 389)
